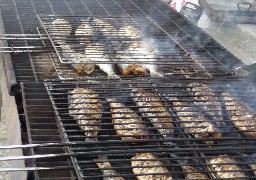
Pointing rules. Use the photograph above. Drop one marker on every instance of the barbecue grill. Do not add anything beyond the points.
(204, 136)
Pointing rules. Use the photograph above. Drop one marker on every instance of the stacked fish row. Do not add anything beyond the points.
(105, 46)
(85, 106)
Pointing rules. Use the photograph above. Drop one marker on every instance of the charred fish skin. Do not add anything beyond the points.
(59, 30)
(148, 163)
(85, 107)
(241, 114)
(195, 123)
(226, 167)
(126, 122)
(205, 98)
(153, 108)
(83, 69)
(105, 166)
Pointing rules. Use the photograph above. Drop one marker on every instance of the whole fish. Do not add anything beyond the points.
(59, 30)
(153, 108)
(106, 28)
(226, 167)
(94, 50)
(129, 31)
(126, 122)
(86, 108)
(79, 65)
(193, 121)
(105, 167)
(241, 114)
(192, 173)
(144, 165)
(138, 50)
(207, 100)
(84, 33)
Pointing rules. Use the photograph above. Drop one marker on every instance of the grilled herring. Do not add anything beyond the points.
(129, 31)
(251, 161)
(241, 114)
(151, 106)
(194, 121)
(226, 167)
(82, 68)
(59, 30)
(127, 123)
(206, 99)
(192, 173)
(138, 50)
(105, 167)
(253, 167)
(85, 107)
(83, 33)
(96, 52)
(105, 28)
(148, 163)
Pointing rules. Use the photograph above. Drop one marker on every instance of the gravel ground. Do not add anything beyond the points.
(3, 153)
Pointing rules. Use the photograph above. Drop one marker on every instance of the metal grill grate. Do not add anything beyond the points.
(42, 128)
(192, 40)
(179, 135)
(118, 40)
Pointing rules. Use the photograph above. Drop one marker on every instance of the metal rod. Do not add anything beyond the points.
(36, 168)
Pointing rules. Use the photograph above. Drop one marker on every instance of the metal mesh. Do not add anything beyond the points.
(193, 40)
(202, 132)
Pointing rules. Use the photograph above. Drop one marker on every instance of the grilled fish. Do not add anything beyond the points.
(151, 106)
(241, 114)
(138, 51)
(83, 33)
(59, 29)
(253, 167)
(96, 52)
(205, 98)
(82, 68)
(105, 167)
(127, 123)
(148, 163)
(106, 28)
(226, 167)
(85, 107)
(251, 161)
(192, 173)
(129, 31)
(194, 122)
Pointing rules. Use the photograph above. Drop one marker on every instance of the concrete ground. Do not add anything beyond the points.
(3, 141)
